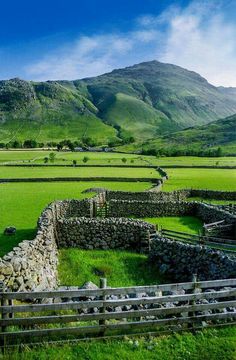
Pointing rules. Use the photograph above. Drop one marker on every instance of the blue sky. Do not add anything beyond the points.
(69, 39)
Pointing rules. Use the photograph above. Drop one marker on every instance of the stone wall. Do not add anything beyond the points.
(177, 195)
(32, 265)
(181, 260)
(105, 234)
(213, 194)
(148, 195)
(118, 208)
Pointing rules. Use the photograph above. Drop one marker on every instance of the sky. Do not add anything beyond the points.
(73, 39)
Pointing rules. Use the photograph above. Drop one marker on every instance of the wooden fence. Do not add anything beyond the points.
(72, 314)
(227, 245)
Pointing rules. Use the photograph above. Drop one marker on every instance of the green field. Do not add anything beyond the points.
(188, 224)
(209, 344)
(213, 179)
(103, 158)
(197, 161)
(22, 203)
(37, 156)
(41, 172)
(121, 268)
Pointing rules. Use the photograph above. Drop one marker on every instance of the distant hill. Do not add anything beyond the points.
(136, 103)
(220, 133)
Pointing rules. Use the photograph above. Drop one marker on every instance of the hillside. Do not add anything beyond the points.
(132, 104)
(220, 133)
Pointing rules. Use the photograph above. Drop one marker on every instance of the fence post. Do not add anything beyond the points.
(3, 303)
(103, 285)
(192, 302)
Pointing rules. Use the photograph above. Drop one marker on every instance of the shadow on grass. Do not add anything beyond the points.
(143, 272)
(8, 242)
(192, 223)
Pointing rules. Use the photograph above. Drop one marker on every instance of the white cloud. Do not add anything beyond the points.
(198, 38)
(202, 40)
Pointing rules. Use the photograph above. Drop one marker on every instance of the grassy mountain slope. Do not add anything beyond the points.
(181, 96)
(48, 111)
(220, 133)
(138, 118)
(142, 101)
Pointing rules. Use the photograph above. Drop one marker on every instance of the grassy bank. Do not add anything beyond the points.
(212, 344)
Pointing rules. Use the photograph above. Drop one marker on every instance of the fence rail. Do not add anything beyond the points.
(215, 242)
(111, 311)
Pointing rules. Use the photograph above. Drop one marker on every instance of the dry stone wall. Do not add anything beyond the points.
(181, 260)
(105, 234)
(32, 265)
(118, 208)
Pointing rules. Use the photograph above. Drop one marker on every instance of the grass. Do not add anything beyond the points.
(22, 203)
(102, 158)
(209, 344)
(213, 179)
(41, 172)
(188, 224)
(121, 268)
(197, 161)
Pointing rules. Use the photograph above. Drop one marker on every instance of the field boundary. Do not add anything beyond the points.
(86, 179)
(115, 311)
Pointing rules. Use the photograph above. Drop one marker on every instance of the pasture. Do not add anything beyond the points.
(50, 172)
(110, 158)
(213, 179)
(22, 203)
(188, 224)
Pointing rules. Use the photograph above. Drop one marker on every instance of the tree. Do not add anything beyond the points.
(124, 160)
(46, 159)
(71, 146)
(74, 162)
(30, 144)
(219, 152)
(52, 157)
(85, 159)
(59, 146)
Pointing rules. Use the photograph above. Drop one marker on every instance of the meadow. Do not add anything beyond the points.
(42, 172)
(213, 179)
(110, 158)
(22, 203)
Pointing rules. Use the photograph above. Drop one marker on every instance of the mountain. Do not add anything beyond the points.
(136, 103)
(220, 133)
